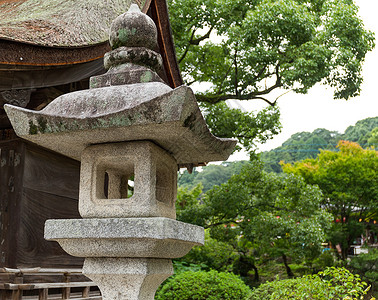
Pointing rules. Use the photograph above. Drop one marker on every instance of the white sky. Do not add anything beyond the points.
(317, 109)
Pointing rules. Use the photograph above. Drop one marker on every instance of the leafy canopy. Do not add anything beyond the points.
(348, 179)
(247, 49)
(279, 214)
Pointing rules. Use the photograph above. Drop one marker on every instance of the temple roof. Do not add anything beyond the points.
(55, 42)
(61, 23)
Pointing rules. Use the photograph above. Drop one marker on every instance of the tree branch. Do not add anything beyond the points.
(236, 70)
(224, 78)
(200, 39)
(213, 99)
(187, 47)
(193, 41)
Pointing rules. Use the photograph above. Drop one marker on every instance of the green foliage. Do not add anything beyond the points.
(331, 284)
(348, 180)
(187, 204)
(361, 131)
(203, 285)
(213, 255)
(280, 213)
(276, 214)
(366, 264)
(326, 259)
(210, 175)
(299, 146)
(183, 266)
(372, 137)
(247, 127)
(344, 233)
(249, 49)
(261, 45)
(186, 179)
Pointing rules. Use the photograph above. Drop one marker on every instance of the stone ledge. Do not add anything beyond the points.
(125, 237)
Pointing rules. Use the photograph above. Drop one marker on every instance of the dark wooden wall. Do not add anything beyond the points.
(35, 185)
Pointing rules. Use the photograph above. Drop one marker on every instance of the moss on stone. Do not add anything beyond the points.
(33, 129)
(42, 124)
(146, 77)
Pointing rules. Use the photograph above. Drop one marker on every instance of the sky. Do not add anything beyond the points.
(318, 109)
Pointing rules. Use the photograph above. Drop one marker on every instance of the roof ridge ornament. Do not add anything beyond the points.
(134, 57)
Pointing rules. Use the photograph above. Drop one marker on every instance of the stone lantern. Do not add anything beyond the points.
(131, 132)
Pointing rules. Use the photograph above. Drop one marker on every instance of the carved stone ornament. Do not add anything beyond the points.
(18, 98)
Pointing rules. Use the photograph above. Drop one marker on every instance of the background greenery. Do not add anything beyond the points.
(266, 226)
(261, 222)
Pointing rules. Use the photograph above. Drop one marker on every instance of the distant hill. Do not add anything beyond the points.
(210, 175)
(299, 146)
(304, 145)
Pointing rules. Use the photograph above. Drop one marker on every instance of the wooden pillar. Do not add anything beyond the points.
(43, 294)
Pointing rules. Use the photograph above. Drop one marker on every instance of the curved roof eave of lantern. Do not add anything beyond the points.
(46, 43)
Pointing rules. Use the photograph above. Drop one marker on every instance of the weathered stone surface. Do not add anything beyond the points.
(130, 137)
(136, 55)
(125, 74)
(133, 37)
(125, 237)
(102, 101)
(155, 181)
(127, 278)
(148, 111)
(133, 29)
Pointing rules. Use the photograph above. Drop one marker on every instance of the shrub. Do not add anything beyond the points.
(366, 265)
(331, 284)
(326, 259)
(203, 285)
(214, 255)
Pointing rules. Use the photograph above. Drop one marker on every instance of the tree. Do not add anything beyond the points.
(214, 255)
(348, 179)
(250, 50)
(247, 128)
(361, 131)
(275, 214)
(247, 49)
(373, 137)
